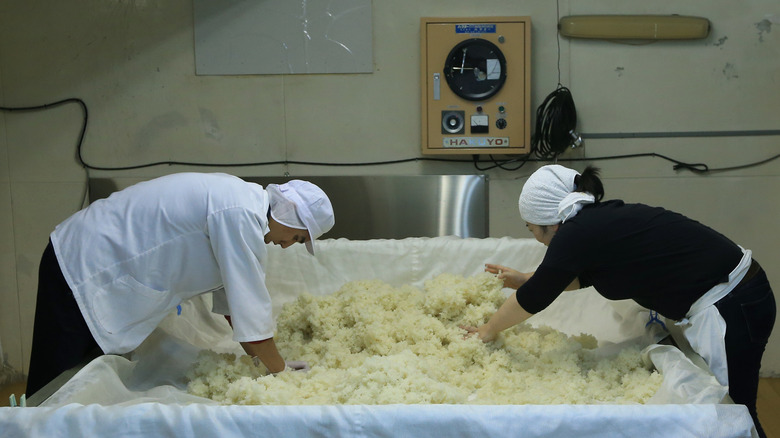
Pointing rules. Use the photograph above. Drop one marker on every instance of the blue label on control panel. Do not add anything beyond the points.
(475, 28)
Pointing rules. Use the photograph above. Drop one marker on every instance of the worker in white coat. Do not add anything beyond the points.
(114, 270)
(666, 262)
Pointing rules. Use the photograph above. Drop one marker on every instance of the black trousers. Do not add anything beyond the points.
(61, 338)
(750, 312)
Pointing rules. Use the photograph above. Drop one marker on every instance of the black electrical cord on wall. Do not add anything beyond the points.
(559, 112)
(56, 104)
(87, 166)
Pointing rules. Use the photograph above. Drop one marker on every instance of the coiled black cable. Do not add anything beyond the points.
(556, 120)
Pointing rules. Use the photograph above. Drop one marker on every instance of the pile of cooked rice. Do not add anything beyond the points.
(371, 343)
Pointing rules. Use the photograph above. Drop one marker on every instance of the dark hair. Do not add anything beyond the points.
(589, 182)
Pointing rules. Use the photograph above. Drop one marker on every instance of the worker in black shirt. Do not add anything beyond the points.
(663, 260)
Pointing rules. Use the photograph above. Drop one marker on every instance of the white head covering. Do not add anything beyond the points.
(548, 197)
(301, 205)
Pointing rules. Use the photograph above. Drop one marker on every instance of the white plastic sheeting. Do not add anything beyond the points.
(145, 393)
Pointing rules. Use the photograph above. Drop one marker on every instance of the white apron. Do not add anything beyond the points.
(704, 327)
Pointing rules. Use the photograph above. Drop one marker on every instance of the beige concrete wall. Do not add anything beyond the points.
(133, 64)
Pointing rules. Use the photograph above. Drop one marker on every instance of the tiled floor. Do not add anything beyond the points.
(14, 388)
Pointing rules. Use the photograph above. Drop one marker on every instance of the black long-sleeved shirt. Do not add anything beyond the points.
(661, 259)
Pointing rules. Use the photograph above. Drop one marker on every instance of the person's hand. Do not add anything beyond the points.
(297, 365)
(512, 279)
(481, 332)
(289, 365)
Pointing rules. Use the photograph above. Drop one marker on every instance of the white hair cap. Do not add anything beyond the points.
(301, 205)
(548, 197)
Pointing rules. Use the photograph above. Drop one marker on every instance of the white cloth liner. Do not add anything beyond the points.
(118, 396)
(467, 421)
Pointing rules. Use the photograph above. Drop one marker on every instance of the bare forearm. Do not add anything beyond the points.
(267, 352)
(508, 315)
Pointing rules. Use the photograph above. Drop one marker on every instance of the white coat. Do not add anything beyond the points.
(133, 257)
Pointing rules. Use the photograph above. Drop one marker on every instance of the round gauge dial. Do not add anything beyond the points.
(475, 69)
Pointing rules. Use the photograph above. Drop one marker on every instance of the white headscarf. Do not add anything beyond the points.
(548, 197)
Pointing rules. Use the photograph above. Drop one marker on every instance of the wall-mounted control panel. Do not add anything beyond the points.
(476, 78)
